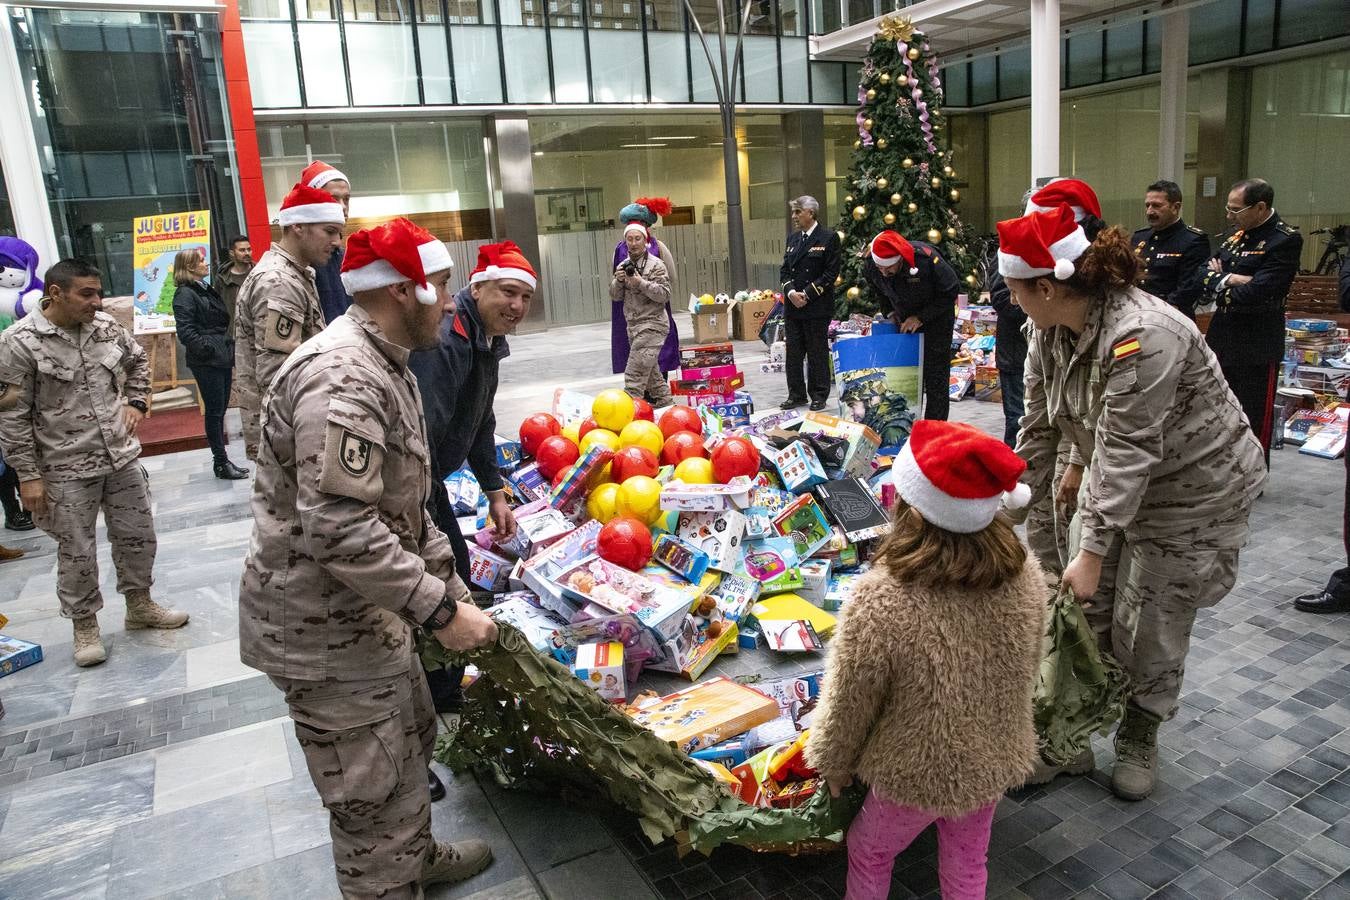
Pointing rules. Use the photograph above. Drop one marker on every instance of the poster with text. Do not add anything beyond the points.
(159, 238)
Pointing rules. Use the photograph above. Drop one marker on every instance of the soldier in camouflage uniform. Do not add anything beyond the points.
(278, 305)
(75, 386)
(645, 294)
(1171, 469)
(345, 562)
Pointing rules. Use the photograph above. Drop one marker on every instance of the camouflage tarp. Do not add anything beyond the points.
(530, 723)
(1079, 689)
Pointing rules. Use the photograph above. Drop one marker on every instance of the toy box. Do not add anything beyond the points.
(706, 497)
(689, 655)
(641, 645)
(528, 483)
(572, 490)
(790, 636)
(863, 442)
(788, 582)
(696, 372)
(704, 355)
(768, 559)
(601, 666)
(734, 595)
(705, 714)
(570, 405)
(839, 590)
(487, 569)
(536, 624)
(508, 452)
(542, 530)
(16, 654)
(725, 384)
(804, 523)
(711, 322)
(796, 697)
(718, 534)
(722, 775)
(798, 466)
(463, 490)
(850, 504)
(815, 580)
(594, 580)
(735, 414)
(680, 557)
(791, 608)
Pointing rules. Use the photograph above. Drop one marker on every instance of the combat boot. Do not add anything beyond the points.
(1136, 767)
(450, 863)
(89, 650)
(1043, 772)
(142, 612)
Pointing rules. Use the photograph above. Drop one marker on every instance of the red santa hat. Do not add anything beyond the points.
(889, 247)
(504, 260)
(1077, 194)
(319, 173)
(306, 206)
(957, 476)
(391, 253)
(1040, 243)
(636, 226)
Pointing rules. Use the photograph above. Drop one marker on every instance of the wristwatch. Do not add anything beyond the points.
(139, 405)
(442, 615)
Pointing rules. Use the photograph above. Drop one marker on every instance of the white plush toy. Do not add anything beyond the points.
(20, 287)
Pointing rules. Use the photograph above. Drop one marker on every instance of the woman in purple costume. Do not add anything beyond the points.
(644, 210)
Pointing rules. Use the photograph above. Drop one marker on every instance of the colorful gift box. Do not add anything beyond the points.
(508, 452)
(614, 588)
(542, 529)
(863, 442)
(723, 385)
(838, 592)
(705, 355)
(815, 580)
(850, 504)
(697, 372)
(641, 645)
(681, 557)
(734, 595)
(528, 483)
(718, 534)
(16, 654)
(705, 714)
(804, 523)
(767, 559)
(798, 466)
(488, 570)
(570, 405)
(758, 523)
(735, 414)
(572, 490)
(601, 666)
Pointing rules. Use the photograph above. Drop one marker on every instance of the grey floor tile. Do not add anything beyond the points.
(606, 873)
(85, 805)
(537, 838)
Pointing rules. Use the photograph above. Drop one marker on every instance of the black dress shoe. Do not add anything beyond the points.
(434, 784)
(20, 521)
(817, 405)
(791, 403)
(1321, 602)
(229, 471)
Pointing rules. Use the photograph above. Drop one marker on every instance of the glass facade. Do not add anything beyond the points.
(6, 210)
(130, 121)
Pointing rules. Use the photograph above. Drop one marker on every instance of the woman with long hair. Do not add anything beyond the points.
(203, 323)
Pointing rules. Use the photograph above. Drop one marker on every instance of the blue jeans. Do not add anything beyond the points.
(1012, 386)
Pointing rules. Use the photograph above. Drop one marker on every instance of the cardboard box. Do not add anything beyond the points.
(508, 452)
(614, 588)
(699, 372)
(798, 466)
(748, 317)
(838, 592)
(804, 523)
(16, 654)
(681, 557)
(790, 608)
(863, 442)
(850, 504)
(721, 385)
(641, 645)
(463, 490)
(718, 534)
(816, 580)
(704, 355)
(706, 497)
(705, 714)
(711, 322)
(536, 624)
(488, 570)
(601, 666)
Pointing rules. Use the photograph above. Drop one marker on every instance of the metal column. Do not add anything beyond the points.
(1045, 47)
(1176, 31)
(516, 219)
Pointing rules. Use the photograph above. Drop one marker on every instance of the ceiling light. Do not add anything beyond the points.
(635, 146)
(676, 137)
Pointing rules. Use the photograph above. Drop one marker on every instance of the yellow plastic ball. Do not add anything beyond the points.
(602, 504)
(640, 497)
(694, 470)
(602, 436)
(641, 433)
(706, 299)
(612, 409)
(572, 431)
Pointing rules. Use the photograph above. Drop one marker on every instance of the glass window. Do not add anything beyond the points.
(318, 10)
(1110, 140)
(1014, 73)
(827, 82)
(955, 84)
(321, 54)
(269, 50)
(669, 67)
(478, 77)
(840, 133)
(704, 89)
(615, 15)
(662, 15)
(470, 12)
(264, 9)
(795, 86)
(983, 80)
(1215, 29)
(1085, 59)
(824, 16)
(1302, 21)
(435, 64)
(569, 65)
(852, 75)
(617, 71)
(374, 11)
(1260, 26)
(284, 156)
(6, 210)
(760, 63)
(1125, 51)
(526, 79)
(384, 69)
(792, 16)
(1152, 46)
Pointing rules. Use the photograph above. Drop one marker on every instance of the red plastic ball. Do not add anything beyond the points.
(625, 542)
(632, 461)
(680, 418)
(534, 429)
(680, 446)
(734, 456)
(555, 454)
(587, 425)
(643, 410)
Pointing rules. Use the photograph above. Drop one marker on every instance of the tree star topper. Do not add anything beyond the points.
(897, 28)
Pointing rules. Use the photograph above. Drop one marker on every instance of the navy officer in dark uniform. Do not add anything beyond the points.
(810, 267)
(1173, 252)
(920, 288)
(1247, 281)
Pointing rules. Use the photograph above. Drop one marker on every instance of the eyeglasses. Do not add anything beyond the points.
(1234, 212)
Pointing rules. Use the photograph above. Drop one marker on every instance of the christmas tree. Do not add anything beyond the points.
(900, 177)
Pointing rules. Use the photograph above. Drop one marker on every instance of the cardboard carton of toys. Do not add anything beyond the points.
(601, 666)
(542, 529)
(718, 534)
(804, 523)
(863, 442)
(706, 355)
(797, 466)
(735, 414)
(487, 569)
(722, 385)
(528, 483)
(616, 589)
(680, 557)
(700, 642)
(694, 373)
(734, 595)
(704, 714)
(576, 484)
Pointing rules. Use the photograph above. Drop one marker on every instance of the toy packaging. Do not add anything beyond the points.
(793, 636)
(594, 580)
(16, 654)
(735, 494)
(796, 697)
(642, 646)
(849, 503)
(488, 570)
(718, 534)
(804, 523)
(528, 483)
(768, 559)
(798, 466)
(791, 608)
(572, 490)
(706, 713)
(601, 666)
(838, 592)
(815, 580)
(571, 406)
(704, 356)
(463, 490)
(684, 560)
(863, 442)
(508, 452)
(734, 595)
(536, 624)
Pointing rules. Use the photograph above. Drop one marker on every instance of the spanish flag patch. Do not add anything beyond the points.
(1124, 349)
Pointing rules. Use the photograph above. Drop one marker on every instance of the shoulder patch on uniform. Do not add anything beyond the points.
(1287, 228)
(1125, 349)
(351, 464)
(1193, 230)
(282, 333)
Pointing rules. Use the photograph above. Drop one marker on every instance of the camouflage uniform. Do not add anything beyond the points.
(343, 558)
(276, 311)
(1171, 473)
(644, 299)
(62, 422)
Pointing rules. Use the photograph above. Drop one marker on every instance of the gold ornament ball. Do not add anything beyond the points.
(951, 232)
(955, 195)
(972, 280)
(839, 279)
(868, 123)
(907, 163)
(896, 199)
(871, 94)
(854, 292)
(848, 198)
(885, 78)
(857, 145)
(936, 182)
(882, 183)
(934, 236)
(947, 170)
(859, 213)
(889, 219)
(912, 208)
(913, 53)
(881, 143)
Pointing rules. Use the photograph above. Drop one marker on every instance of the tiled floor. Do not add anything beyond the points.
(171, 771)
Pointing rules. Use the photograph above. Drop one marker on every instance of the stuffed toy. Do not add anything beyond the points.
(20, 287)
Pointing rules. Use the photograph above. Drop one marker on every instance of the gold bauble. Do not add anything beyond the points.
(854, 292)
(947, 170)
(838, 280)
(885, 78)
(841, 235)
(881, 143)
(867, 124)
(955, 195)
(859, 213)
(889, 219)
(848, 198)
(871, 94)
(913, 53)
(912, 208)
(907, 163)
(951, 232)
(934, 236)
(857, 145)
(896, 199)
(972, 280)
(936, 182)
(882, 183)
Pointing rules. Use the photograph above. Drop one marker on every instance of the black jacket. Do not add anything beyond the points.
(929, 293)
(1010, 348)
(333, 297)
(203, 325)
(1248, 323)
(811, 264)
(458, 381)
(1174, 263)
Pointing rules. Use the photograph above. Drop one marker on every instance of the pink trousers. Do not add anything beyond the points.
(883, 829)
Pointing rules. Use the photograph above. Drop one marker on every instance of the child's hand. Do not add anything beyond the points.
(836, 785)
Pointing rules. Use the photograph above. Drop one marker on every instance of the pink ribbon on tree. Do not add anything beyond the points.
(925, 121)
(863, 134)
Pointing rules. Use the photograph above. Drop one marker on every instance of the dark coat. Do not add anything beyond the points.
(811, 264)
(1248, 323)
(333, 297)
(929, 294)
(203, 324)
(1010, 351)
(1174, 263)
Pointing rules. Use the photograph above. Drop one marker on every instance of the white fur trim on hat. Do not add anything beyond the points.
(935, 505)
(1063, 251)
(381, 273)
(495, 273)
(312, 214)
(327, 175)
(636, 226)
(890, 261)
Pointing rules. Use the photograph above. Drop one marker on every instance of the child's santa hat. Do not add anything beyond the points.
(1040, 243)
(1077, 194)
(889, 247)
(956, 476)
(391, 253)
(319, 173)
(305, 205)
(504, 260)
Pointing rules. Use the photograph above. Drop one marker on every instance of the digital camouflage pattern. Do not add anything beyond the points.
(644, 307)
(277, 310)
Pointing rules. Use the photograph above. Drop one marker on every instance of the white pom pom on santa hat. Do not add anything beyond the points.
(1064, 269)
(957, 476)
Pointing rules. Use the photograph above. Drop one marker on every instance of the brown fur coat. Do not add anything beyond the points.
(927, 693)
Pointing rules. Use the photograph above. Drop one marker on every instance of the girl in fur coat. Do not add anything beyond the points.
(927, 694)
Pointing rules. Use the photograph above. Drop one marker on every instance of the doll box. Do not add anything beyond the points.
(706, 713)
(601, 666)
(488, 570)
(594, 580)
(798, 466)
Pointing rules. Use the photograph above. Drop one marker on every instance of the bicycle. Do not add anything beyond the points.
(1338, 247)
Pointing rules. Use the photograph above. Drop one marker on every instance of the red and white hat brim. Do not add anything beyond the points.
(638, 227)
(381, 273)
(956, 514)
(327, 175)
(1078, 212)
(312, 214)
(498, 273)
(1063, 252)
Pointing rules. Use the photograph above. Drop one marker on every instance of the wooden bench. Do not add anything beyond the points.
(1315, 297)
